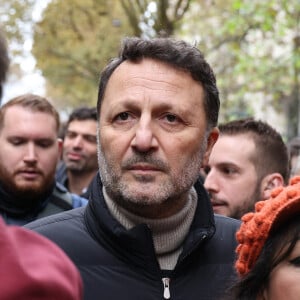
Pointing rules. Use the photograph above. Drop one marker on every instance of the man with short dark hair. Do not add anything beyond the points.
(79, 164)
(148, 231)
(247, 162)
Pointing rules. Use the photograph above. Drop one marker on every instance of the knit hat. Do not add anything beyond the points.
(32, 267)
(283, 204)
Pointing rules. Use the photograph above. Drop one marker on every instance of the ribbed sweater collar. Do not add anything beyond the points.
(168, 233)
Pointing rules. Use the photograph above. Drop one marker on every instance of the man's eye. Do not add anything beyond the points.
(295, 261)
(206, 169)
(45, 143)
(124, 116)
(16, 142)
(229, 171)
(90, 138)
(71, 135)
(171, 118)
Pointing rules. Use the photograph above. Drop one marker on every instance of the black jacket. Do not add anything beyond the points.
(22, 209)
(116, 263)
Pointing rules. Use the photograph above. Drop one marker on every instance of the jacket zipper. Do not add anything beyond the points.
(166, 283)
(166, 280)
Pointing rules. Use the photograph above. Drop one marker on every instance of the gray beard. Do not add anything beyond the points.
(176, 188)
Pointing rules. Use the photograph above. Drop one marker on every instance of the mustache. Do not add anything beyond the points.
(216, 199)
(146, 159)
(75, 152)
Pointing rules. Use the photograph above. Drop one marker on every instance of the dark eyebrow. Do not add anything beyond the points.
(134, 103)
(227, 165)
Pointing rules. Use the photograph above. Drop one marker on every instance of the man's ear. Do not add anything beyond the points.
(269, 183)
(211, 140)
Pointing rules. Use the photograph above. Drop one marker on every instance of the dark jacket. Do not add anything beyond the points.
(62, 177)
(20, 210)
(116, 263)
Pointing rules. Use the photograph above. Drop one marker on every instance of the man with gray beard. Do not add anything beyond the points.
(149, 231)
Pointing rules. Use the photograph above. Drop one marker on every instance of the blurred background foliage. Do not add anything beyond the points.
(253, 46)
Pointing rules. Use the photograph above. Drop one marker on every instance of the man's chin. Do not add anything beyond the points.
(74, 166)
(28, 185)
(145, 194)
(29, 189)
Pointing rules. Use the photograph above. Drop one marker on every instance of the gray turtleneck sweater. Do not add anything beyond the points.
(168, 233)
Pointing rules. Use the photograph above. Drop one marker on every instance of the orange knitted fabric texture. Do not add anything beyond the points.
(256, 226)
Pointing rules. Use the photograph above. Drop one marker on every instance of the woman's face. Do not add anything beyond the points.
(284, 281)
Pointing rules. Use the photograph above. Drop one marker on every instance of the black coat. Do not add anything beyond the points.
(21, 209)
(120, 264)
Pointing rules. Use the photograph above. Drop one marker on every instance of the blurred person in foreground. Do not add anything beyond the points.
(268, 254)
(79, 165)
(32, 267)
(148, 231)
(29, 152)
(249, 159)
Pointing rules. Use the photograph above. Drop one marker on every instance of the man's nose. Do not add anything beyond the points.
(31, 153)
(78, 141)
(210, 182)
(144, 139)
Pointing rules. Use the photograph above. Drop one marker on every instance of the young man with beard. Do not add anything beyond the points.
(249, 159)
(29, 152)
(148, 231)
(79, 164)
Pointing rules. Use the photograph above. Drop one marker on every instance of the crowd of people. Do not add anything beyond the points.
(145, 195)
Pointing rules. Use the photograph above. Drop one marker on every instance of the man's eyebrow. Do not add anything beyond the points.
(88, 134)
(20, 137)
(227, 164)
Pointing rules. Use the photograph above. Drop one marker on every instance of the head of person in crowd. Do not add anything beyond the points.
(29, 145)
(79, 150)
(268, 254)
(294, 152)
(142, 135)
(249, 159)
(158, 107)
(29, 152)
(4, 61)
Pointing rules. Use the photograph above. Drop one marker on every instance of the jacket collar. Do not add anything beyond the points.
(137, 242)
(23, 205)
